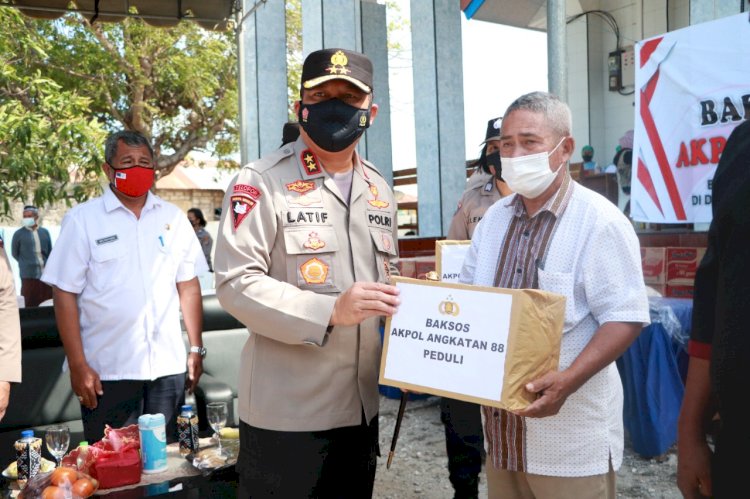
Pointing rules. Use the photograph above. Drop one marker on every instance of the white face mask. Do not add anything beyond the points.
(530, 175)
(28, 222)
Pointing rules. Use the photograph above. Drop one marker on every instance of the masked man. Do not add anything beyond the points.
(306, 245)
(31, 246)
(124, 265)
(553, 234)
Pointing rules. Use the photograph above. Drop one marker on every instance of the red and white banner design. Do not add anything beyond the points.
(692, 89)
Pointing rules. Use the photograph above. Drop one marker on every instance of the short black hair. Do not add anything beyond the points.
(130, 137)
(199, 215)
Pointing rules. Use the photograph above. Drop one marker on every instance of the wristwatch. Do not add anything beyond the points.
(201, 350)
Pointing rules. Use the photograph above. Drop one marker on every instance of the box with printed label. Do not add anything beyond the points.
(653, 262)
(682, 264)
(680, 291)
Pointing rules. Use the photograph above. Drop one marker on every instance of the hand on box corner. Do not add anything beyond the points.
(551, 391)
(363, 300)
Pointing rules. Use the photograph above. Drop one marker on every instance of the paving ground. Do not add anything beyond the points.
(419, 468)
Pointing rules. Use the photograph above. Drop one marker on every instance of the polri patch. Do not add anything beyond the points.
(242, 205)
(249, 190)
(105, 240)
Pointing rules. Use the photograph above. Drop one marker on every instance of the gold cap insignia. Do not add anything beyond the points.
(338, 63)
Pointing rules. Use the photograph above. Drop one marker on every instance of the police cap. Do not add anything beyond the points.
(337, 64)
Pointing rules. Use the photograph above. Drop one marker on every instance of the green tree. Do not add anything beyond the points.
(49, 144)
(177, 86)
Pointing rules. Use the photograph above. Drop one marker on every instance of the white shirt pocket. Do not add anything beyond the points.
(562, 283)
(108, 265)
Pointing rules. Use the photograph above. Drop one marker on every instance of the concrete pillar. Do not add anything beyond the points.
(557, 74)
(263, 80)
(376, 145)
(361, 26)
(438, 111)
(702, 11)
(330, 23)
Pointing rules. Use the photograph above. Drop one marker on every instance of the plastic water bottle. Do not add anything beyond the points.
(28, 456)
(153, 442)
(187, 430)
(83, 451)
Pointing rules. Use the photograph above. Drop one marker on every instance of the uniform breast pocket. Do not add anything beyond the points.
(386, 250)
(562, 283)
(311, 258)
(108, 265)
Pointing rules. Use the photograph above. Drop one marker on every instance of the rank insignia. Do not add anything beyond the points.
(241, 206)
(300, 186)
(338, 64)
(314, 242)
(249, 190)
(314, 271)
(377, 203)
(310, 162)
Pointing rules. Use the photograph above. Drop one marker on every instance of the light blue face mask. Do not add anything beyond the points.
(28, 222)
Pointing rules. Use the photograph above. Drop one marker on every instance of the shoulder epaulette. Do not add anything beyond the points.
(270, 160)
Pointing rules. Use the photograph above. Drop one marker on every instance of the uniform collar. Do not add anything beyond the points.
(111, 202)
(489, 188)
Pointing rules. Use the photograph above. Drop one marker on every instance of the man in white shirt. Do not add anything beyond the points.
(556, 235)
(124, 265)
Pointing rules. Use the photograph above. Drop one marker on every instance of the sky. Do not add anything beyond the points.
(500, 63)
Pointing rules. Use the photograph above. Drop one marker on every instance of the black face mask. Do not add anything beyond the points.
(493, 160)
(333, 124)
(587, 158)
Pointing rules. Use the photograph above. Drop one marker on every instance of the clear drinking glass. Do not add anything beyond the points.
(217, 418)
(58, 440)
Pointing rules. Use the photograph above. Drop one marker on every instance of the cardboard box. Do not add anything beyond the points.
(680, 291)
(653, 261)
(424, 265)
(659, 288)
(407, 267)
(443, 342)
(682, 264)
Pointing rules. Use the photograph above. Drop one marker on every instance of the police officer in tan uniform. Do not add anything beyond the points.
(10, 333)
(306, 246)
(464, 439)
(482, 193)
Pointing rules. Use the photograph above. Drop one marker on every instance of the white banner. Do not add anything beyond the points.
(692, 89)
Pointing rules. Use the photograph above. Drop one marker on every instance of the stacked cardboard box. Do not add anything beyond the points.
(671, 271)
(681, 266)
(653, 261)
(416, 267)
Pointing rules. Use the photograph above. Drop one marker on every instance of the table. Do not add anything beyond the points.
(653, 371)
(181, 480)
